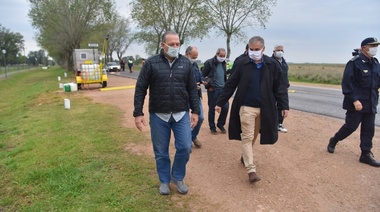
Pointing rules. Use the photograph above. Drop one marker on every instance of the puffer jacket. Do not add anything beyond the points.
(171, 89)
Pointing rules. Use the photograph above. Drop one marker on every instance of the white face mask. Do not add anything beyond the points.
(279, 54)
(221, 59)
(255, 55)
(172, 51)
(372, 51)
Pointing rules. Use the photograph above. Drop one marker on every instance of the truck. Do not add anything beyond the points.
(88, 67)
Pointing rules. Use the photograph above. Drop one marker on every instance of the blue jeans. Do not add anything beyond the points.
(212, 98)
(195, 131)
(160, 134)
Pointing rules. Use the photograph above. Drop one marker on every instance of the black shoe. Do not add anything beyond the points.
(213, 131)
(368, 159)
(221, 128)
(331, 145)
(253, 177)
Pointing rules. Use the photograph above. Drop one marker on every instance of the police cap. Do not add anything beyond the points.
(369, 41)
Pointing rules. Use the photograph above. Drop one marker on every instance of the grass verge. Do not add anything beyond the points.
(52, 159)
(316, 73)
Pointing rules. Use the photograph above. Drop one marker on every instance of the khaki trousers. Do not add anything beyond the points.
(250, 127)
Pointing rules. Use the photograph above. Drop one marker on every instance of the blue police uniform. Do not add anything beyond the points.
(361, 81)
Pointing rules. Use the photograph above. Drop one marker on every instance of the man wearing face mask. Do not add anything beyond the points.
(192, 53)
(360, 84)
(278, 55)
(257, 80)
(214, 72)
(172, 90)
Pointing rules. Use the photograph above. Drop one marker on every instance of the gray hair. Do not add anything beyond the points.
(189, 49)
(170, 32)
(276, 46)
(257, 39)
(220, 50)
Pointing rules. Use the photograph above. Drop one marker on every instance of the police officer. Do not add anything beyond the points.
(360, 86)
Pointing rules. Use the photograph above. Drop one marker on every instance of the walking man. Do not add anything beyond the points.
(360, 85)
(278, 55)
(192, 53)
(172, 90)
(257, 80)
(214, 72)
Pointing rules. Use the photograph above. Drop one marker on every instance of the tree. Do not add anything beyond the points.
(189, 18)
(120, 37)
(12, 42)
(231, 16)
(63, 24)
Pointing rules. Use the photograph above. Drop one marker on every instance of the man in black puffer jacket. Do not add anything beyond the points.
(172, 89)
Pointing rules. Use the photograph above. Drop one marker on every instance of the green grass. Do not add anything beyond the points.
(316, 73)
(52, 159)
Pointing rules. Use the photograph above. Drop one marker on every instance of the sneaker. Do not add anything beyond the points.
(181, 186)
(368, 159)
(213, 131)
(221, 128)
(164, 189)
(197, 143)
(282, 129)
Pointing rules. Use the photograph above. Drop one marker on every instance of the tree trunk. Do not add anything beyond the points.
(228, 46)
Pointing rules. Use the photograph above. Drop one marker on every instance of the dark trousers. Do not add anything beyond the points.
(280, 118)
(367, 128)
(212, 98)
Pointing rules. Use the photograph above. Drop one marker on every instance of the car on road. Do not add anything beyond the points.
(113, 66)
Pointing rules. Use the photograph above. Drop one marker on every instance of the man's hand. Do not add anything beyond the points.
(194, 120)
(139, 122)
(358, 105)
(218, 109)
(285, 113)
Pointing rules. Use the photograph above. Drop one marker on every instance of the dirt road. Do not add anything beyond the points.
(297, 173)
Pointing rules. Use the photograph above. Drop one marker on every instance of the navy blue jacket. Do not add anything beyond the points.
(361, 81)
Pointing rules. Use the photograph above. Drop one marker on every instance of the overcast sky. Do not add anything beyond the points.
(311, 31)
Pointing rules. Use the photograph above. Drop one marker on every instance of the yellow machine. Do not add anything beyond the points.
(88, 67)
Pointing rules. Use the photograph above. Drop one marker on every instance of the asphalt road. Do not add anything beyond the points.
(322, 101)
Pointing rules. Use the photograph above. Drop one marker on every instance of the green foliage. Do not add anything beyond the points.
(12, 43)
(52, 159)
(63, 24)
(120, 37)
(316, 73)
(189, 18)
(230, 17)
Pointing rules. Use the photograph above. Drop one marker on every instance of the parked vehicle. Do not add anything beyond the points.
(113, 66)
(88, 67)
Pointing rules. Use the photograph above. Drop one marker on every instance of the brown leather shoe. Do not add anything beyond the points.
(252, 177)
(197, 143)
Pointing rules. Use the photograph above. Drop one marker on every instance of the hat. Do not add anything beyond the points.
(369, 41)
